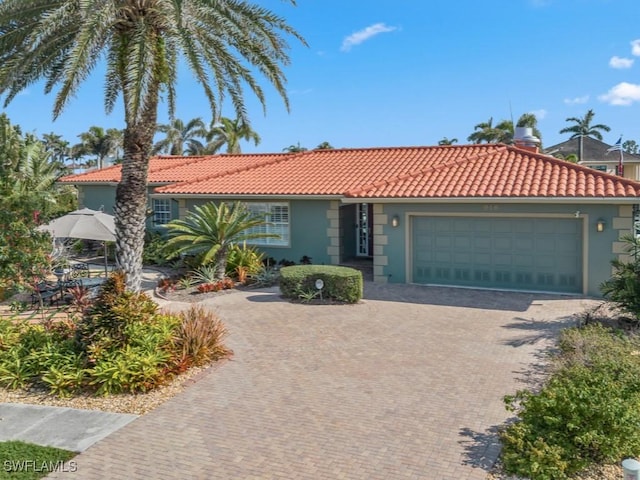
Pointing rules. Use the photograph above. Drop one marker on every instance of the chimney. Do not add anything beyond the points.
(523, 138)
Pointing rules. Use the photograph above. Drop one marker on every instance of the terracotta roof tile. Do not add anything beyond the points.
(468, 171)
(171, 169)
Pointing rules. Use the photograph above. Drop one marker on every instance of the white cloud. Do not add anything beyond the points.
(635, 47)
(540, 114)
(620, 62)
(365, 34)
(577, 100)
(622, 94)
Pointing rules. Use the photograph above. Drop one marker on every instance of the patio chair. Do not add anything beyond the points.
(80, 269)
(46, 292)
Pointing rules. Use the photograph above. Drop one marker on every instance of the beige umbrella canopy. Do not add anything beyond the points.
(86, 224)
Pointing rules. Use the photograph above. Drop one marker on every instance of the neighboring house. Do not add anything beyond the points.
(489, 216)
(596, 156)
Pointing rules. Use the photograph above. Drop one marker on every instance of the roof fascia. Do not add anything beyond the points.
(562, 200)
(102, 183)
(247, 196)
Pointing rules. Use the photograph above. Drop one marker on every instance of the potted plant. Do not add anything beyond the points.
(62, 268)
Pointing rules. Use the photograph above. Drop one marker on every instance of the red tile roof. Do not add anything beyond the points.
(467, 171)
(171, 169)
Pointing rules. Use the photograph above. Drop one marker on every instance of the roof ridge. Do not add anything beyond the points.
(496, 147)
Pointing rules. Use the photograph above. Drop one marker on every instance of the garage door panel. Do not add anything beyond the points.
(503, 243)
(546, 262)
(482, 244)
(502, 259)
(462, 257)
(531, 254)
(524, 244)
(465, 242)
(524, 260)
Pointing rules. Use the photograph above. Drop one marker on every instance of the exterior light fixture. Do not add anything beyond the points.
(395, 221)
(600, 225)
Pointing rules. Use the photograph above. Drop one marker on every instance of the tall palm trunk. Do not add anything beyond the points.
(131, 193)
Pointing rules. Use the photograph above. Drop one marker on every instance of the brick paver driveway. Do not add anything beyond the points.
(408, 384)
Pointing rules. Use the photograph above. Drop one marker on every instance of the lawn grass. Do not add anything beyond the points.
(26, 461)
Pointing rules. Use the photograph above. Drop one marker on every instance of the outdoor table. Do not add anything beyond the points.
(90, 282)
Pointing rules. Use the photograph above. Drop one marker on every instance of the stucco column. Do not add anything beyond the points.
(333, 232)
(380, 242)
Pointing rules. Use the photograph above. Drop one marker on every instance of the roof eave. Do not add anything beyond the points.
(246, 196)
(562, 200)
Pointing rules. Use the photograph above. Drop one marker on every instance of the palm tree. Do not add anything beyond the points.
(58, 147)
(446, 141)
(483, 132)
(630, 146)
(324, 146)
(142, 43)
(582, 128)
(178, 135)
(29, 172)
(229, 132)
(100, 142)
(502, 132)
(210, 230)
(294, 148)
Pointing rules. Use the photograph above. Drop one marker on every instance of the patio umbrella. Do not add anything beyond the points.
(84, 223)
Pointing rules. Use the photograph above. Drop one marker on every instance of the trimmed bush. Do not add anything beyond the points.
(343, 284)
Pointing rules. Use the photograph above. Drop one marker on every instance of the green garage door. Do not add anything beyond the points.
(539, 254)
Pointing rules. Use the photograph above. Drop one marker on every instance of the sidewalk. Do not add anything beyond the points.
(67, 428)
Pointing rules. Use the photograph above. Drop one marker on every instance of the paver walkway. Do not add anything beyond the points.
(408, 384)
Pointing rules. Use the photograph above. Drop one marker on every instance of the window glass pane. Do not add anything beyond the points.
(277, 214)
(161, 211)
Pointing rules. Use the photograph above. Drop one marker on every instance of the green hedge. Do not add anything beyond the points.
(343, 284)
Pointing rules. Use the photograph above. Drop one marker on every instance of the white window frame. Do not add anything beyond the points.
(278, 215)
(161, 208)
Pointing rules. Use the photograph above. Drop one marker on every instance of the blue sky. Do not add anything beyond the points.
(410, 72)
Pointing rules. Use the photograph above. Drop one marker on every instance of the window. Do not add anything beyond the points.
(277, 214)
(161, 211)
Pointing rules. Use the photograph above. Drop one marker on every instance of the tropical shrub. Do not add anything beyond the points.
(155, 251)
(105, 324)
(200, 336)
(343, 284)
(623, 288)
(211, 230)
(266, 277)
(224, 284)
(244, 258)
(121, 344)
(587, 412)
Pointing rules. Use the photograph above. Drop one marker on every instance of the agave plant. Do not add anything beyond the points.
(204, 274)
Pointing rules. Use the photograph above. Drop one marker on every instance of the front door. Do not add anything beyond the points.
(364, 221)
